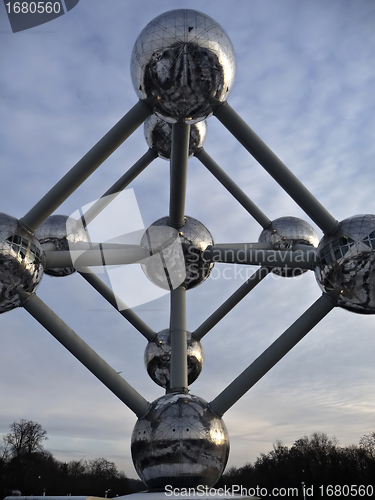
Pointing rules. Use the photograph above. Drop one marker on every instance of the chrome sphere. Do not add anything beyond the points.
(179, 442)
(346, 262)
(285, 232)
(21, 262)
(158, 358)
(60, 230)
(184, 59)
(158, 134)
(176, 262)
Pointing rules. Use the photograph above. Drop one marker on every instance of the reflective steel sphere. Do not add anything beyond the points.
(158, 134)
(158, 358)
(183, 58)
(177, 263)
(346, 261)
(21, 262)
(61, 230)
(179, 442)
(285, 232)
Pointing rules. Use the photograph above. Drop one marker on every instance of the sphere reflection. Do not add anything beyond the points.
(54, 230)
(285, 232)
(158, 134)
(184, 59)
(179, 442)
(21, 262)
(346, 261)
(177, 262)
(158, 358)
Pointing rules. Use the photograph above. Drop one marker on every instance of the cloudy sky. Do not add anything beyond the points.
(305, 83)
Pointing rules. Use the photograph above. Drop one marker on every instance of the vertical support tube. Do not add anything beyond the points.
(276, 168)
(272, 354)
(232, 187)
(118, 186)
(86, 166)
(86, 355)
(178, 371)
(179, 163)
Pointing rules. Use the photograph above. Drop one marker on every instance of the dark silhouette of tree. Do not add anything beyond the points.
(367, 443)
(102, 468)
(316, 456)
(313, 460)
(26, 437)
(26, 466)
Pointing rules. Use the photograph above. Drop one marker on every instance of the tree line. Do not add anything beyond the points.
(27, 468)
(315, 460)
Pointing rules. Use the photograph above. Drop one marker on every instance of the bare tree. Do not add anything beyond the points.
(367, 442)
(26, 437)
(102, 468)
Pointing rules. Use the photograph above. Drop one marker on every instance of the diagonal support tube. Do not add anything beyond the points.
(85, 354)
(276, 168)
(179, 164)
(118, 186)
(117, 303)
(87, 165)
(249, 377)
(232, 187)
(230, 303)
(178, 370)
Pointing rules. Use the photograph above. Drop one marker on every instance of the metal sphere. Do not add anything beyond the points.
(177, 261)
(346, 262)
(60, 230)
(158, 134)
(158, 358)
(21, 262)
(184, 59)
(285, 232)
(179, 442)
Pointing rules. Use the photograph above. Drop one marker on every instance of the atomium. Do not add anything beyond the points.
(185, 60)
(21, 262)
(346, 261)
(158, 358)
(179, 442)
(178, 263)
(158, 134)
(285, 232)
(60, 231)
